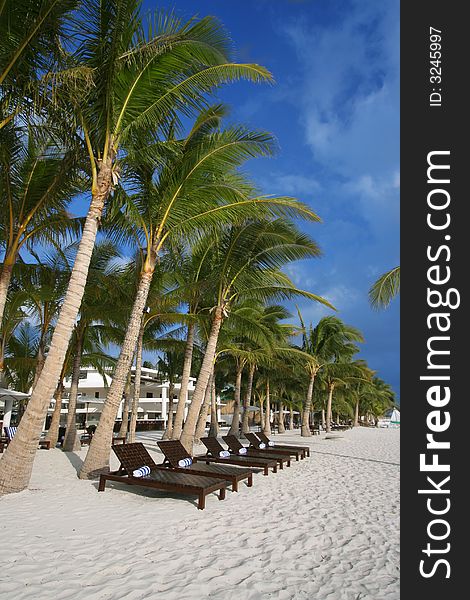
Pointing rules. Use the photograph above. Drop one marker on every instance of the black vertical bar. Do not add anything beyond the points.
(434, 120)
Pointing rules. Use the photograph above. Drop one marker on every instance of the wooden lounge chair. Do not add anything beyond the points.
(264, 438)
(235, 446)
(11, 431)
(135, 456)
(255, 443)
(174, 451)
(214, 447)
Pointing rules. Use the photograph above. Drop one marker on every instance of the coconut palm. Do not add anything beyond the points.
(37, 182)
(197, 188)
(246, 261)
(385, 289)
(29, 31)
(170, 365)
(14, 316)
(374, 399)
(99, 304)
(44, 284)
(247, 338)
(20, 360)
(340, 373)
(120, 79)
(327, 342)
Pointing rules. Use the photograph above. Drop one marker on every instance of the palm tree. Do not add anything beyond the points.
(246, 262)
(14, 316)
(325, 343)
(247, 338)
(98, 304)
(20, 360)
(118, 81)
(29, 31)
(171, 365)
(385, 289)
(37, 182)
(197, 188)
(44, 284)
(374, 398)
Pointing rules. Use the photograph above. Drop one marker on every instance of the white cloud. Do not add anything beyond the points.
(349, 99)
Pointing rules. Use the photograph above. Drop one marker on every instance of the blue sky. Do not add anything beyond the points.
(335, 113)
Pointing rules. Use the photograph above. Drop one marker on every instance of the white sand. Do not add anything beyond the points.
(326, 528)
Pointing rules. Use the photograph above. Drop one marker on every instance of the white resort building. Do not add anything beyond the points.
(154, 402)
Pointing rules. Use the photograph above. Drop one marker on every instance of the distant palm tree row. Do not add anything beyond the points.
(115, 113)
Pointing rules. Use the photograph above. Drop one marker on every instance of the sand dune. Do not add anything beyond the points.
(326, 528)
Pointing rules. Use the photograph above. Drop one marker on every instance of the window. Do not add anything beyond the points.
(149, 395)
(97, 394)
(83, 375)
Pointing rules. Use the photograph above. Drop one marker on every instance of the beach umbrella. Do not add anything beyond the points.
(7, 397)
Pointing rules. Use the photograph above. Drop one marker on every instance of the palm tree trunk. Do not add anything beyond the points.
(137, 378)
(291, 419)
(214, 428)
(281, 426)
(205, 408)
(247, 400)
(53, 433)
(267, 419)
(97, 458)
(127, 402)
(168, 433)
(305, 428)
(331, 387)
(323, 418)
(356, 413)
(261, 413)
(187, 435)
(17, 462)
(235, 426)
(40, 360)
(5, 278)
(71, 441)
(183, 395)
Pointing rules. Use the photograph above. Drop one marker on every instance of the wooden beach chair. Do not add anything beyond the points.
(10, 434)
(264, 438)
(235, 446)
(134, 456)
(214, 447)
(174, 451)
(256, 443)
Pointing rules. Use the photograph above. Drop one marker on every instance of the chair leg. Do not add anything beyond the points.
(275, 468)
(202, 501)
(102, 484)
(222, 494)
(250, 480)
(281, 465)
(234, 485)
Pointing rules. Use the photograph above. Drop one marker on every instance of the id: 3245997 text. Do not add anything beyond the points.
(435, 70)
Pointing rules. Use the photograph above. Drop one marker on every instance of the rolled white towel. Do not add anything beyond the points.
(242, 451)
(185, 462)
(262, 446)
(224, 454)
(142, 472)
(270, 443)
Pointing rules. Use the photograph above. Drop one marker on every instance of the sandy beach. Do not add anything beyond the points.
(325, 528)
